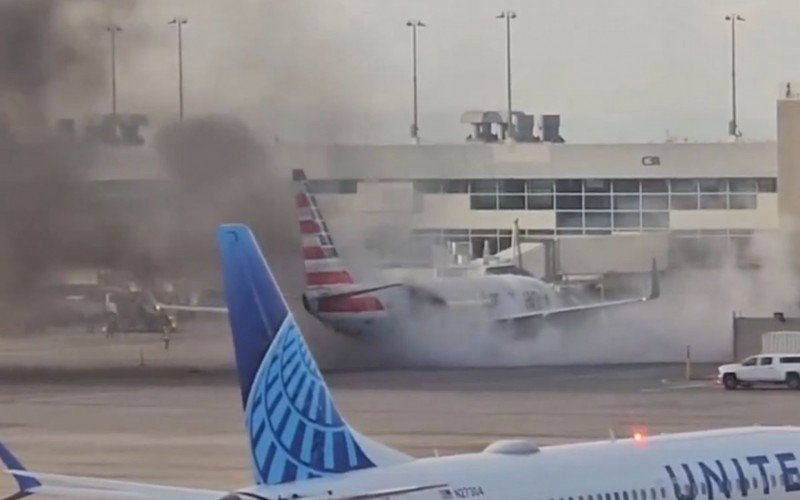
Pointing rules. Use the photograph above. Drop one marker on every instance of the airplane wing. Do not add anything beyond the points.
(208, 309)
(655, 292)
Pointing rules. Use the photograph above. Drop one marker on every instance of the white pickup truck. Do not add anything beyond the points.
(762, 369)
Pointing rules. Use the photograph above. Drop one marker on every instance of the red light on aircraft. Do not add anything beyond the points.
(638, 436)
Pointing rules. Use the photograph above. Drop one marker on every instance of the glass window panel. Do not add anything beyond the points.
(569, 202)
(626, 202)
(455, 185)
(657, 220)
(684, 202)
(626, 220)
(655, 202)
(713, 201)
(684, 185)
(655, 186)
(512, 202)
(743, 201)
(598, 219)
(512, 186)
(504, 243)
(483, 202)
(569, 232)
(348, 186)
(767, 185)
(568, 220)
(540, 202)
(743, 185)
(597, 202)
(428, 186)
(597, 185)
(626, 186)
(540, 186)
(483, 186)
(568, 185)
(713, 185)
(455, 231)
(597, 231)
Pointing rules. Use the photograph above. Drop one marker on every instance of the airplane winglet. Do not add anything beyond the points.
(655, 286)
(13, 466)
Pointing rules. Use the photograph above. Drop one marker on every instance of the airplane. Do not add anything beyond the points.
(302, 448)
(348, 307)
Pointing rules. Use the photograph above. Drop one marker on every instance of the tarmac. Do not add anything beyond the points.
(126, 408)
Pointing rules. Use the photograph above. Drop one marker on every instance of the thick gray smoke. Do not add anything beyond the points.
(39, 175)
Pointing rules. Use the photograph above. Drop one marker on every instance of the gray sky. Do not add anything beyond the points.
(339, 71)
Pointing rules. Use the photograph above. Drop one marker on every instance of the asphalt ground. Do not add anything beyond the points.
(126, 408)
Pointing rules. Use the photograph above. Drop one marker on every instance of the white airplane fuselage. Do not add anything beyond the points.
(751, 463)
(491, 296)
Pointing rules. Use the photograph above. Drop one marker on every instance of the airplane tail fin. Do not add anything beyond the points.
(26, 484)
(294, 428)
(322, 262)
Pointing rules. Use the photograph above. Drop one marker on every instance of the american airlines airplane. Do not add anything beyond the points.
(302, 448)
(377, 308)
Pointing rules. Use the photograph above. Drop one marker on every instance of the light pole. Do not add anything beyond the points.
(179, 22)
(733, 126)
(113, 29)
(508, 15)
(414, 24)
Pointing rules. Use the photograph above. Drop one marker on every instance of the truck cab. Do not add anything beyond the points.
(781, 369)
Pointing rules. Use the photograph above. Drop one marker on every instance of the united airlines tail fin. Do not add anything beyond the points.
(294, 428)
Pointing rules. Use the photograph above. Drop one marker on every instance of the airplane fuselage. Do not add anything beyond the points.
(748, 463)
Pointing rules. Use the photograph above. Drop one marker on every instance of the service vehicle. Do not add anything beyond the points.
(775, 369)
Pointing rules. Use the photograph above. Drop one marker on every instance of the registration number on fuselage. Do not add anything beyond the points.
(466, 492)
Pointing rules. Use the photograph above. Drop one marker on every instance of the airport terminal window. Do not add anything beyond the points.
(569, 186)
(713, 201)
(569, 202)
(345, 186)
(512, 186)
(713, 185)
(625, 220)
(626, 202)
(598, 219)
(483, 186)
(428, 186)
(597, 186)
(597, 202)
(511, 202)
(743, 185)
(655, 220)
(767, 185)
(540, 186)
(569, 219)
(540, 202)
(626, 185)
(451, 186)
(742, 201)
(655, 202)
(483, 202)
(684, 202)
(655, 186)
(683, 185)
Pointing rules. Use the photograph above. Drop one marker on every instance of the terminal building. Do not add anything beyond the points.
(679, 202)
(580, 208)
